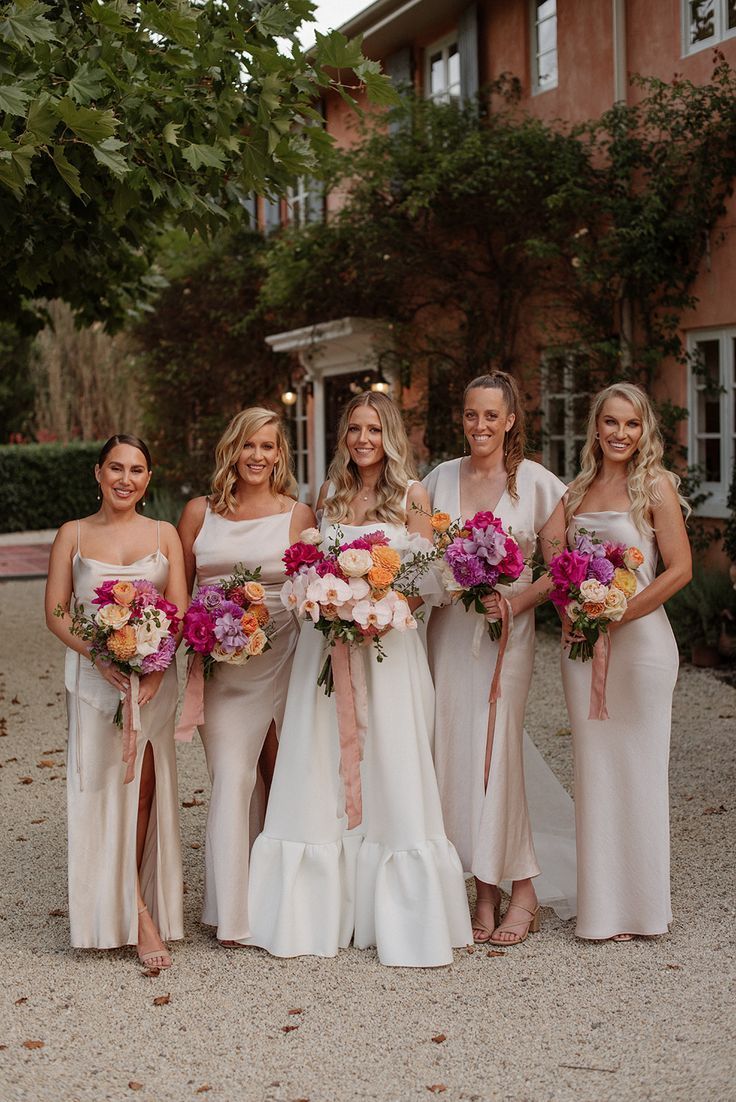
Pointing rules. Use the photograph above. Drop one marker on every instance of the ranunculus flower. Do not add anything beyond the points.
(254, 591)
(591, 590)
(124, 593)
(113, 616)
(248, 623)
(312, 536)
(594, 609)
(512, 564)
(633, 558)
(440, 521)
(261, 613)
(386, 557)
(300, 555)
(380, 577)
(615, 552)
(149, 632)
(615, 604)
(601, 569)
(624, 580)
(355, 562)
(162, 658)
(237, 596)
(122, 643)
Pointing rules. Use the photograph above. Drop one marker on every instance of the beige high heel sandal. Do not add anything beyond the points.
(531, 927)
(478, 925)
(146, 958)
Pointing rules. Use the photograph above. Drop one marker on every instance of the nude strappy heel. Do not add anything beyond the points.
(162, 954)
(478, 925)
(530, 927)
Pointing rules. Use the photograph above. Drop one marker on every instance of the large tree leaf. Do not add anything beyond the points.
(13, 99)
(204, 156)
(89, 124)
(67, 171)
(106, 153)
(88, 83)
(175, 21)
(43, 118)
(25, 24)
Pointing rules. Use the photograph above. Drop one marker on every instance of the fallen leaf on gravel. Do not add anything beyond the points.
(58, 912)
(439, 1038)
(194, 845)
(296, 1010)
(714, 810)
(198, 791)
(562, 731)
(20, 1001)
(150, 973)
(469, 949)
(184, 888)
(35, 822)
(162, 1000)
(8, 760)
(45, 763)
(437, 1088)
(29, 780)
(15, 700)
(495, 953)
(3, 1047)
(20, 838)
(56, 750)
(674, 967)
(726, 715)
(33, 1044)
(288, 1028)
(194, 802)
(135, 1086)
(203, 1089)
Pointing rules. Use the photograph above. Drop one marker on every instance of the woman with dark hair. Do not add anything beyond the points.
(250, 517)
(394, 881)
(125, 882)
(479, 749)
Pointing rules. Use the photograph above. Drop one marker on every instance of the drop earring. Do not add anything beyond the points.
(99, 494)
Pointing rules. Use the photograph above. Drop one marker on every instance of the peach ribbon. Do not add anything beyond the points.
(131, 726)
(507, 623)
(192, 714)
(599, 674)
(351, 695)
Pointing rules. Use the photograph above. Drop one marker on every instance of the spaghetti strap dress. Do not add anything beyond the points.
(102, 812)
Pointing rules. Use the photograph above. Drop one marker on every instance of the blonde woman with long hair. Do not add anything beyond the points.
(623, 494)
(480, 749)
(394, 881)
(251, 516)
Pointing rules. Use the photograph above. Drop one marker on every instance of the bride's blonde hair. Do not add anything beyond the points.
(244, 425)
(646, 468)
(398, 465)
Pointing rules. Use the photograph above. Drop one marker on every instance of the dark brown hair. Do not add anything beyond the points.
(124, 438)
(515, 443)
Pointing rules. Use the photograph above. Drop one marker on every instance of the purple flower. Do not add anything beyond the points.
(210, 597)
(601, 569)
(229, 631)
(163, 657)
(467, 570)
(587, 546)
(147, 594)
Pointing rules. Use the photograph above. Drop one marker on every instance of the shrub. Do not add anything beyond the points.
(697, 612)
(729, 536)
(43, 485)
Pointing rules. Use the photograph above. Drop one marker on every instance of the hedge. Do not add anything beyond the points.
(43, 485)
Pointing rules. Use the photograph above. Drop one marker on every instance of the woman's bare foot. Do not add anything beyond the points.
(485, 918)
(151, 950)
(521, 915)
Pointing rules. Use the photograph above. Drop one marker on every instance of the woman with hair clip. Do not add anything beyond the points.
(250, 517)
(623, 494)
(125, 885)
(480, 749)
(394, 881)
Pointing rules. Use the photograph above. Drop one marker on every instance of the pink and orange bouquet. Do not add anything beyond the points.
(228, 622)
(592, 585)
(478, 556)
(134, 628)
(354, 591)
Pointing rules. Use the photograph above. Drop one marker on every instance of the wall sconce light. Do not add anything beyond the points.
(289, 397)
(380, 386)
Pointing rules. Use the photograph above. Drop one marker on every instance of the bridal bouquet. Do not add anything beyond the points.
(134, 628)
(353, 591)
(478, 555)
(228, 622)
(592, 586)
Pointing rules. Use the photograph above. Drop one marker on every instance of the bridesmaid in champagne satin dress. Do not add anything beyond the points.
(125, 880)
(623, 494)
(251, 518)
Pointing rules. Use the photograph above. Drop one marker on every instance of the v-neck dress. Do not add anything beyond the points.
(102, 812)
(491, 827)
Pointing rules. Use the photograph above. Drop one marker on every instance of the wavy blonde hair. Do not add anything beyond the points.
(227, 453)
(645, 469)
(515, 442)
(398, 465)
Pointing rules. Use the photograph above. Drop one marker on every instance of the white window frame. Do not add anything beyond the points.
(720, 31)
(304, 202)
(443, 46)
(537, 88)
(716, 503)
(572, 443)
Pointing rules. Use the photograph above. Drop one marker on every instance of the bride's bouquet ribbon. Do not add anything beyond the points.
(131, 726)
(599, 675)
(351, 694)
(192, 713)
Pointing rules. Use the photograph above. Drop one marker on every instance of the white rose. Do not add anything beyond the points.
(113, 616)
(149, 633)
(615, 603)
(573, 610)
(355, 562)
(312, 536)
(593, 591)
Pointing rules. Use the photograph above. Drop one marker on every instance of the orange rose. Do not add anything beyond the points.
(594, 608)
(249, 623)
(257, 642)
(624, 580)
(122, 643)
(633, 558)
(124, 593)
(440, 521)
(379, 577)
(387, 558)
(261, 614)
(254, 591)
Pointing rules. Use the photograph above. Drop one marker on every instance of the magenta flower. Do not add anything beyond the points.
(615, 553)
(484, 520)
(512, 564)
(364, 543)
(104, 593)
(147, 594)
(467, 570)
(301, 555)
(567, 569)
(199, 630)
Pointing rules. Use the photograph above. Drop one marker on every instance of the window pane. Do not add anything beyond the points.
(708, 364)
(580, 410)
(557, 456)
(547, 36)
(702, 20)
(556, 416)
(555, 375)
(546, 8)
(437, 74)
(547, 69)
(453, 68)
(731, 15)
(709, 458)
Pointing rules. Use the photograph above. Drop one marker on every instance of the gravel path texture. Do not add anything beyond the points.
(553, 1019)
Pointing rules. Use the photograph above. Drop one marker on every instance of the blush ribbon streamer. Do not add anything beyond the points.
(351, 694)
(599, 674)
(192, 714)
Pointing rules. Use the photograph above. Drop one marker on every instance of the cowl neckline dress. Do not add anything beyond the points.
(102, 812)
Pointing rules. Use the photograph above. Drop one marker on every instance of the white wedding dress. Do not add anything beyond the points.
(395, 881)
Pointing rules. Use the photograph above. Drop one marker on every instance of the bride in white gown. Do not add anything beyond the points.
(395, 881)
